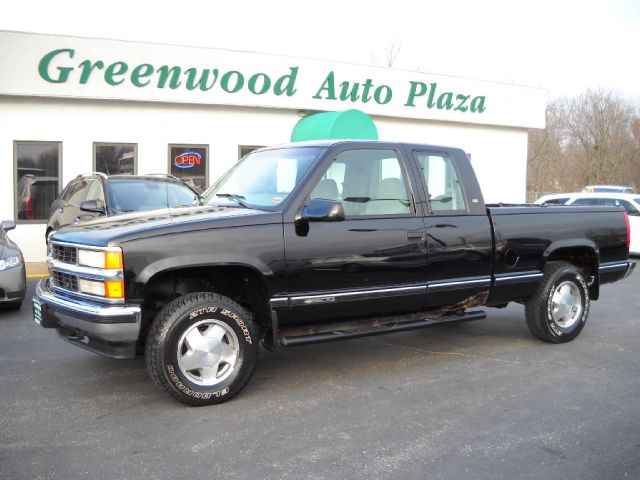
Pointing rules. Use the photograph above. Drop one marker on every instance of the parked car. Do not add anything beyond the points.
(95, 194)
(554, 199)
(608, 189)
(12, 272)
(315, 242)
(630, 202)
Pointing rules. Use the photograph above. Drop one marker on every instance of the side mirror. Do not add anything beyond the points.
(93, 206)
(321, 210)
(8, 225)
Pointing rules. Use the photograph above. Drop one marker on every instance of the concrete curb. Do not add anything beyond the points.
(37, 269)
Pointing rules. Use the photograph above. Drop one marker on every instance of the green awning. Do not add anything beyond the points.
(350, 124)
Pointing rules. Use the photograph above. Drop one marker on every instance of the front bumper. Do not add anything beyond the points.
(12, 285)
(111, 331)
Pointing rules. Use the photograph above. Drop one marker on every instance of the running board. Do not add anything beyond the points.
(331, 332)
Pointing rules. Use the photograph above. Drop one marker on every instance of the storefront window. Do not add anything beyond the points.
(37, 178)
(244, 150)
(115, 158)
(189, 163)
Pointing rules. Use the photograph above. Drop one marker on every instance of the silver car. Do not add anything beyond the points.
(12, 272)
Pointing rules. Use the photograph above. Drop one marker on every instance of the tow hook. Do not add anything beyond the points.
(75, 336)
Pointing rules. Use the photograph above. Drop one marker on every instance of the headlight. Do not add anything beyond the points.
(109, 260)
(10, 262)
(91, 287)
(108, 288)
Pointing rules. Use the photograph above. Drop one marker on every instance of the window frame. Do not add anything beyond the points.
(94, 165)
(190, 145)
(15, 178)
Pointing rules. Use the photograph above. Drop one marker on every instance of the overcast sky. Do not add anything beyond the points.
(563, 46)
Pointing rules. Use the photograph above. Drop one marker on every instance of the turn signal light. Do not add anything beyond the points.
(114, 289)
(113, 260)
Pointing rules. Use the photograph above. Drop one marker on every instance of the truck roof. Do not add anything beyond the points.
(331, 143)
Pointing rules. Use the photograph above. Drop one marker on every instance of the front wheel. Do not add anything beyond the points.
(202, 349)
(560, 307)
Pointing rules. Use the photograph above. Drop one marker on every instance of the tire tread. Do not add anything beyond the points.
(160, 329)
(536, 305)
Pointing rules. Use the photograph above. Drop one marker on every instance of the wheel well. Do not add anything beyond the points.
(242, 284)
(586, 260)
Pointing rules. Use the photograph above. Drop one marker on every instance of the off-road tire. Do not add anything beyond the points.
(557, 321)
(199, 316)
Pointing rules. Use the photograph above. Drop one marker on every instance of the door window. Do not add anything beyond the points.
(368, 183)
(96, 193)
(589, 201)
(76, 194)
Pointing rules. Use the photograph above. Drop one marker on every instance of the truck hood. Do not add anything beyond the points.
(110, 231)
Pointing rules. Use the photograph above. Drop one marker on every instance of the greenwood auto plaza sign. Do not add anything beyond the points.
(147, 75)
(73, 67)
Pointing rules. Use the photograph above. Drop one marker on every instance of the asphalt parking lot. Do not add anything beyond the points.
(474, 400)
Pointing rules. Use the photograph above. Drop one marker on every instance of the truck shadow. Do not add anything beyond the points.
(303, 370)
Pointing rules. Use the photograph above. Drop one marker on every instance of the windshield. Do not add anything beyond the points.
(141, 195)
(263, 179)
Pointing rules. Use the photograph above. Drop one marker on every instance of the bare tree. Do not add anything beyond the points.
(389, 56)
(599, 125)
(545, 151)
(590, 139)
(392, 52)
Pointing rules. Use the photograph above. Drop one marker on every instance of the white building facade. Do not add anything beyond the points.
(73, 105)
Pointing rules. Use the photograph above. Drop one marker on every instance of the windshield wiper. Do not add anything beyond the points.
(239, 199)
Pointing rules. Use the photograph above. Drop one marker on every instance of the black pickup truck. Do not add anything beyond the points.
(314, 242)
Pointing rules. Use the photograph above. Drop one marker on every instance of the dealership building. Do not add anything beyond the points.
(71, 105)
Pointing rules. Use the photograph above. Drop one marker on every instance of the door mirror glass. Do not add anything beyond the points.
(95, 206)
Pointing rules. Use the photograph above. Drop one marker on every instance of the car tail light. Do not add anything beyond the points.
(28, 208)
(626, 219)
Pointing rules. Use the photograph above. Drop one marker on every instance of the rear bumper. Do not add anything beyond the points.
(108, 330)
(614, 271)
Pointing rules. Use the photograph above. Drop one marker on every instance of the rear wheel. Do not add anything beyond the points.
(560, 307)
(202, 349)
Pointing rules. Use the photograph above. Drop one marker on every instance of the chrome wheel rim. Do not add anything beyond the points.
(208, 352)
(566, 305)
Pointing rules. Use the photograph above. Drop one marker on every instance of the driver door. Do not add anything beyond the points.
(373, 263)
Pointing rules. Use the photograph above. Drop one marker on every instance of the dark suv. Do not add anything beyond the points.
(95, 194)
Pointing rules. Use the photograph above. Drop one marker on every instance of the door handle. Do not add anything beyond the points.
(415, 237)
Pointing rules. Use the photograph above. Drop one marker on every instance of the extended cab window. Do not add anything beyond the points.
(442, 182)
(367, 182)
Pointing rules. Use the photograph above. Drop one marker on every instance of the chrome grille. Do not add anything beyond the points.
(64, 280)
(64, 254)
